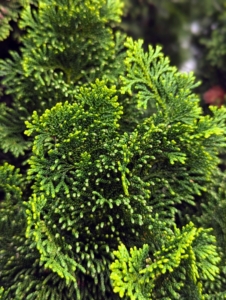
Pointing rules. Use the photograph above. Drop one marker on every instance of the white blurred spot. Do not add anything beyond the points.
(188, 66)
(195, 27)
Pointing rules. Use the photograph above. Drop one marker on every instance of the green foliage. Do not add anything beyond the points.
(177, 135)
(84, 167)
(94, 172)
(215, 44)
(61, 47)
(22, 274)
(112, 153)
(212, 213)
(12, 138)
(169, 23)
(9, 10)
(9, 14)
(188, 255)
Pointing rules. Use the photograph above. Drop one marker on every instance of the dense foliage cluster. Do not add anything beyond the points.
(110, 167)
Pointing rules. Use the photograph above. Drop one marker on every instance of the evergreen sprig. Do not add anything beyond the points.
(9, 11)
(61, 47)
(187, 254)
(113, 155)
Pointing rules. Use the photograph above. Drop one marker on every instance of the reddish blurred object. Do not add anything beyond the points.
(214, 96)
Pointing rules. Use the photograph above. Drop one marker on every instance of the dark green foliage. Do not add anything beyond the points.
(168, 23)
(183, 256)
(215, 44)
(212, 213)
(9, 11)
(209, 44)
(110, 152)
(61, 48)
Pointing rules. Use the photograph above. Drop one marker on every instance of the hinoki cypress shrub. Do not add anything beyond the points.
(109, 153)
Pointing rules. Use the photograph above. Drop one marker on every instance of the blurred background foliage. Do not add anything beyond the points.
(192, 33)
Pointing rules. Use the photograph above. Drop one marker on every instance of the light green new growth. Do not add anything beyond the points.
(190, 252)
